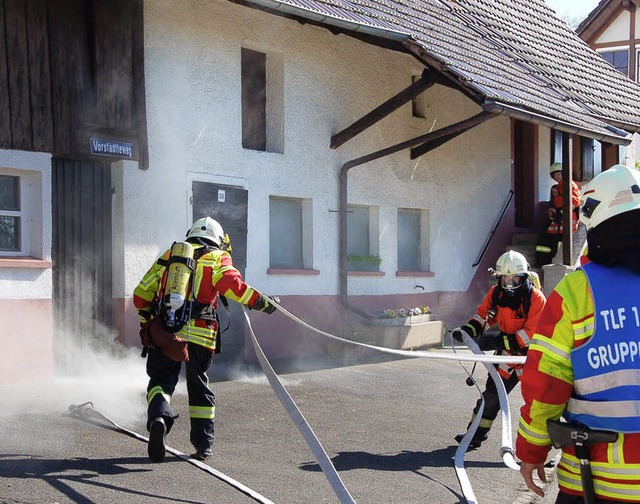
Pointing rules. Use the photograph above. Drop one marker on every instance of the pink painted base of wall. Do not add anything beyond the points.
(126, 322)
(283, 338)
(26, 340)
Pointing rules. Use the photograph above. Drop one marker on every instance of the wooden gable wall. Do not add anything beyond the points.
(70, 70)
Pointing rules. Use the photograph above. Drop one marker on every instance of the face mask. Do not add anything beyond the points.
(510, 282)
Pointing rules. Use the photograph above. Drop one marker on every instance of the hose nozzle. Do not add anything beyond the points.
(81, 410)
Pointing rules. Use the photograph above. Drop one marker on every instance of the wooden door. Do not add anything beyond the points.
(525, 160)
(82, 265)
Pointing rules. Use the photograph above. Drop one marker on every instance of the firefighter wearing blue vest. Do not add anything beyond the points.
(514, 305)
(177, 301)
(584, 361)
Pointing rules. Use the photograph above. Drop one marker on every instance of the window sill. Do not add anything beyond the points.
(24, 262)
(365, 273)
(279, 271)
(427, 274)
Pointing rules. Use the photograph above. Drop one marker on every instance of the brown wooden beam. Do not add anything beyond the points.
(443, 135)
(426, 81)
(427, 137)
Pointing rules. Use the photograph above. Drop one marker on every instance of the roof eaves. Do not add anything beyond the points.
(325, 18)
(615, 125)
(618, 136)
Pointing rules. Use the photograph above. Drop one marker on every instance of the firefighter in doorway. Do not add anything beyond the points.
(514, 304)
(177, 301)
(549, 240)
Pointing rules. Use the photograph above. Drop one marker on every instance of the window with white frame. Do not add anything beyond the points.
(362, 238)
(20, 213)
(413, 239)
(262, 91)
(290, 233)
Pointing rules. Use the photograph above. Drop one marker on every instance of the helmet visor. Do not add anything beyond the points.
(510, 282)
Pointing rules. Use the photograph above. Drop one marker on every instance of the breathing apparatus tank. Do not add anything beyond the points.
(181, 264)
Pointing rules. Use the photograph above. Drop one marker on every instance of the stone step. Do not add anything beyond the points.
(524, 239)
(529, 251)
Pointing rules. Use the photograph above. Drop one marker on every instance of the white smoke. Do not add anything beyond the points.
(101, 371)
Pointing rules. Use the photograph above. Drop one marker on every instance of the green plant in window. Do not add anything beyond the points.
(367, 258)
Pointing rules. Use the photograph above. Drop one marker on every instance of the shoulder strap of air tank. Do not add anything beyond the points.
(203, 250)
(225, 303)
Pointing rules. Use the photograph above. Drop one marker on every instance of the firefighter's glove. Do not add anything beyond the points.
(458, 333)
(265, 304)
(510, 342)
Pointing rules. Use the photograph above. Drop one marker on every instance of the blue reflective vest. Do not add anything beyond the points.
(606, 369)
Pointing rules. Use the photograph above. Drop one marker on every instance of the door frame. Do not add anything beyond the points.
(524, 155)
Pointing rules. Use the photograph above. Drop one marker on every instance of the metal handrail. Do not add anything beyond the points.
(493, 231)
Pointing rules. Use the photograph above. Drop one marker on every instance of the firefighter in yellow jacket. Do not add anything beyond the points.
(177, 301)
(514, 304)
(584, 361)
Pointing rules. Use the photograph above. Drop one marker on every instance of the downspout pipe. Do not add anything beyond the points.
(460, 127)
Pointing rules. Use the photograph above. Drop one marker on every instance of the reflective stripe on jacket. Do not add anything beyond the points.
(566, 323)
(606, 369)
(214, 275)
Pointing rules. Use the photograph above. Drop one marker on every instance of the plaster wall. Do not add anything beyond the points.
(617, 31)
(192, 76)
(544, 155)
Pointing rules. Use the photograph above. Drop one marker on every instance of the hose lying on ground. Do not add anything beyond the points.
(301, 423)
(324, 461)
(87, 413)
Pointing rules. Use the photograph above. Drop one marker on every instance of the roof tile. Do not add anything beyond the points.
(511, 51)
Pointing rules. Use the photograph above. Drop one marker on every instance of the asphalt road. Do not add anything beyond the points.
(387, 426)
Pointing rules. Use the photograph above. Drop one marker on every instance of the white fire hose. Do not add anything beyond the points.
(506, 451)
(87, 413)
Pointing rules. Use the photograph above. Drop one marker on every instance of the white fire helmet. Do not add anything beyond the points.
(511, 269)
(207, 229)
(612, 192)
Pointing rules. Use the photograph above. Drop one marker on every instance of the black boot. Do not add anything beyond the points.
(476, 441)
(156, 448)
(203, 453)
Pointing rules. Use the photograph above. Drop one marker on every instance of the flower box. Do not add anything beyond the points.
(402, 321)
(406, 333)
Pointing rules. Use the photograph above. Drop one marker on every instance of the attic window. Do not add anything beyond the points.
(618, 59)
